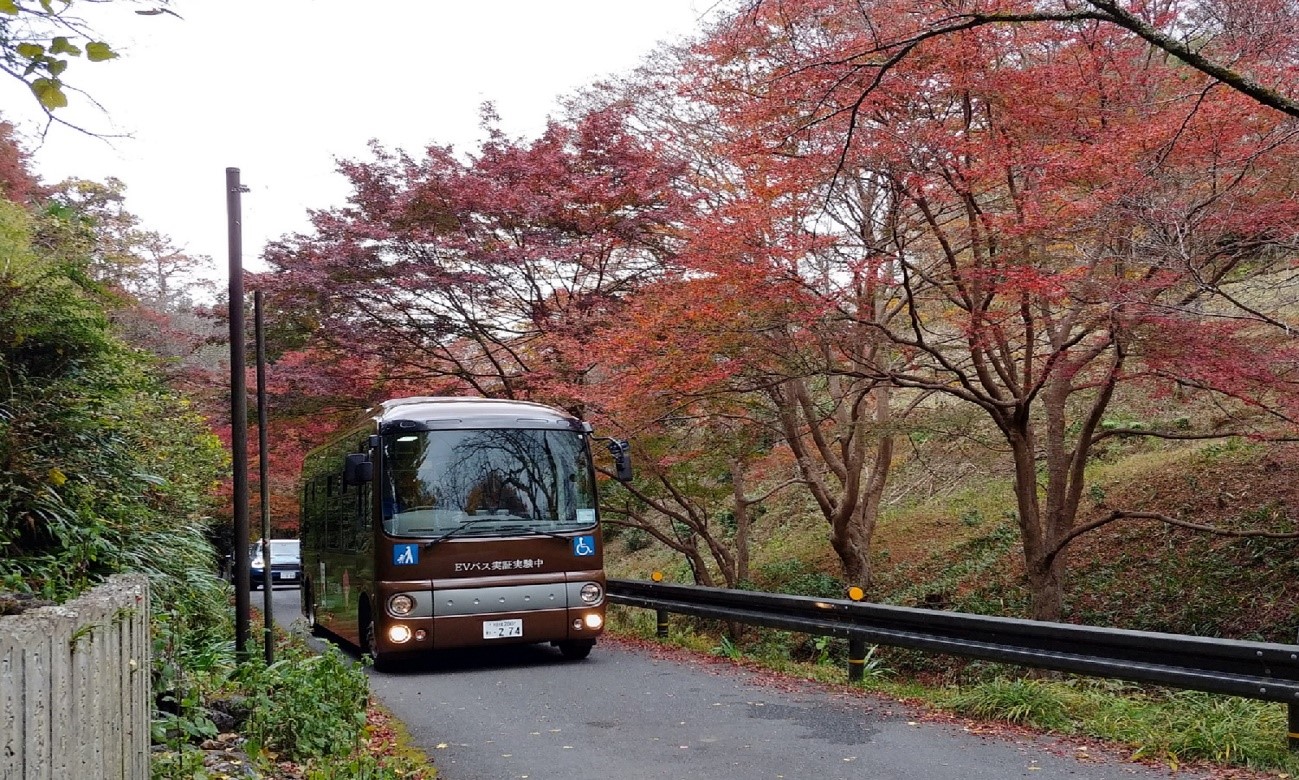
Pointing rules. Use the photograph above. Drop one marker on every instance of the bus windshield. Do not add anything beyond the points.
(500, 481)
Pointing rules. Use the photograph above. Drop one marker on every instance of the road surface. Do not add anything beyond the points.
(633, 712)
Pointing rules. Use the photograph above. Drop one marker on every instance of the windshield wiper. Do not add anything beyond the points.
(542, 532)
(529, 531)
(461, 527)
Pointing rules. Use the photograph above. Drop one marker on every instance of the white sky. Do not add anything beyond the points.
(280, 88)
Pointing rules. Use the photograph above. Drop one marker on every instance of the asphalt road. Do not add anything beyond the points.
(632, 713)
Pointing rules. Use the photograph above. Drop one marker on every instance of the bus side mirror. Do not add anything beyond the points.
(620, 449)
(357, 469)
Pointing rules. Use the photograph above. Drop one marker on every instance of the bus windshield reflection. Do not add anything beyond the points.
(486, 482)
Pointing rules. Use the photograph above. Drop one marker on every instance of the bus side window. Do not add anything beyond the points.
(332, 505)
(357, 518)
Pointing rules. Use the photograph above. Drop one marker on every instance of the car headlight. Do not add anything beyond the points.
(592, 593)
(401, 604)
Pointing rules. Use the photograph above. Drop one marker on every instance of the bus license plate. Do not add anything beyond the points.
(502, 629)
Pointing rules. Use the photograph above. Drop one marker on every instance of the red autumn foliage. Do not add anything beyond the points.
(17, 182)
(1058, 213)
(762, 254)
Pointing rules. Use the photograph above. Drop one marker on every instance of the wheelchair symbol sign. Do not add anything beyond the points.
(405, 554)
(584, 545)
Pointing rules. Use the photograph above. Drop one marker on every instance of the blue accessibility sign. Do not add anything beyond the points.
(405, 554)
(584, 545)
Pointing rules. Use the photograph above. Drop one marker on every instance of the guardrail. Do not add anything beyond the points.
(74, 686)
(1255, 670)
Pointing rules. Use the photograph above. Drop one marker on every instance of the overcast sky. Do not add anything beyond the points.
(280, 88)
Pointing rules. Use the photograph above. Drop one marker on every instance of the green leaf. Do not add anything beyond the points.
(30, 51)
(9, 7)
(98, 51)
(62, 45)
(50, 93)
(56, 67)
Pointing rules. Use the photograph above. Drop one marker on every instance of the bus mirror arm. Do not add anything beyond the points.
(620, 449)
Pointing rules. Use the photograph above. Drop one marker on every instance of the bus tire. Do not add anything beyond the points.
(377, 660)
(576, 650)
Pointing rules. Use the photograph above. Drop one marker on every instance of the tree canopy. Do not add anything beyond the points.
(41, 40)
(822, 226)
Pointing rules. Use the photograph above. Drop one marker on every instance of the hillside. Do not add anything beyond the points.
(958, 547)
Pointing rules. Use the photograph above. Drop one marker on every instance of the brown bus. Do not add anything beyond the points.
(455, 522)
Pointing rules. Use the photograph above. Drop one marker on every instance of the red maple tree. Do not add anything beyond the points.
(1060, 216)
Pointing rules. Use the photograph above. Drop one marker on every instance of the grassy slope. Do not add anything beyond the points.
(958, 545)
(960, 548)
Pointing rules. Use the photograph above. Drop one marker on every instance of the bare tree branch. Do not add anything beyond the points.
(1119, 514)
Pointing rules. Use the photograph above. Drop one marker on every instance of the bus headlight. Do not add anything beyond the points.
(594, 621)
(401, 604)
(592, 593)
(399, 634)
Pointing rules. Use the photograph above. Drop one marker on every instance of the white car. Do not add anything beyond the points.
(286, 563)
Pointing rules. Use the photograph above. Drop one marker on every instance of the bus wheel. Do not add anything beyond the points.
(368, 643)
(576, 651)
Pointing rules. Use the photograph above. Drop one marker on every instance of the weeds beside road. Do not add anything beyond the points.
(1215, 736)
(307, 716)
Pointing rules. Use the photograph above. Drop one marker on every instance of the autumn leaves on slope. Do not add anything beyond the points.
(770, 255)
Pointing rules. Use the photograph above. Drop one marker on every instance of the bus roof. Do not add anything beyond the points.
(434, 412)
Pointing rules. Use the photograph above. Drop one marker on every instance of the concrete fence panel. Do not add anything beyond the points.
(75, 689)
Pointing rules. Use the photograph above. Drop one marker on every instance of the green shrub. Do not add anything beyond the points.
(798, 578)
(636, 539)
(308, 706)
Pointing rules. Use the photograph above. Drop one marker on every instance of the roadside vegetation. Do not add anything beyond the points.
(106, 466)
(953, 547)
(307, 716)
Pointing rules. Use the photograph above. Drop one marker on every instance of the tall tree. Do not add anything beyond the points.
(769, 255)
(1247, 46)
(676, 372)
(1068, 216)
(149, 285)
(489, 274)
(142, 263)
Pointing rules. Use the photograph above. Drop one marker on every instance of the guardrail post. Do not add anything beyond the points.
(662, 623)
(1292, 733)
(856, 659)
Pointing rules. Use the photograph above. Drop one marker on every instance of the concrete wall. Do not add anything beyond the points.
(74, 687)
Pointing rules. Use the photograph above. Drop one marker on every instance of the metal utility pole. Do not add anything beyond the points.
(263, 476)
(238, 410)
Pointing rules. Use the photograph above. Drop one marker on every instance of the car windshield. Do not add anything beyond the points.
(487, 482)
(285, 550)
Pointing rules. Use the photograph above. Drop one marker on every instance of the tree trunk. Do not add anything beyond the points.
(1046, 588)
(851, 541)
(743, 523)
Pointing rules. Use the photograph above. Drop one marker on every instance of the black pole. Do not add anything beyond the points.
(856, 659)
(263, 472)
(1292, 720)
(238, 412)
